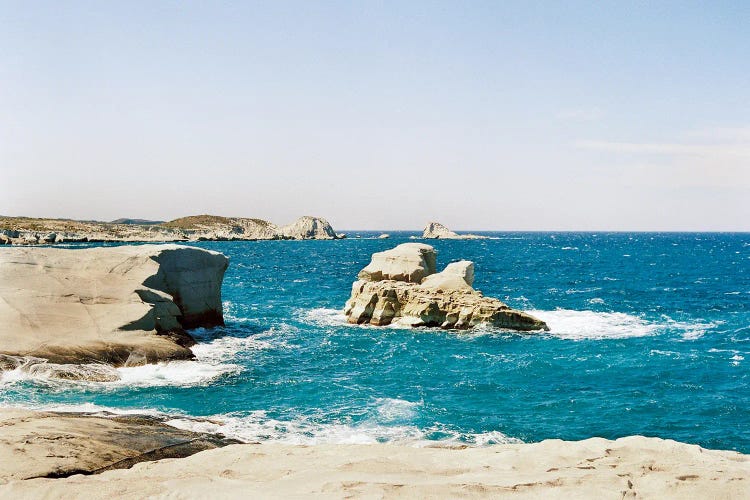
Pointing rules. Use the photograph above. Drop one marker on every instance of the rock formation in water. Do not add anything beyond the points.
(27, 231)
(116, 305)
(401, 285)
(309, 228)
(54, 445)
(435, 230)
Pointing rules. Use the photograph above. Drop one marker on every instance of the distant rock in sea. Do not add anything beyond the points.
(28, 231)
(435, 230)
(309, 228)
(401, 284)
(117, 305)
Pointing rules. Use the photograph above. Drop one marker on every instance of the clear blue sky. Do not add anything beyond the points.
(384, 115)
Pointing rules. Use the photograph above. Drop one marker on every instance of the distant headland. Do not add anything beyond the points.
(33, 231)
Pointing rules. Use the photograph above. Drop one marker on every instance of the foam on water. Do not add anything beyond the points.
(322, 316)
(257, 426)
(564, 324)
(396, 410)
(579, 325)
(212, 360)
(389, 423)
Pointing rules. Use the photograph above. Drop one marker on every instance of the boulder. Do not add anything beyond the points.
(407, 262)
(401, 285)
(107, 304)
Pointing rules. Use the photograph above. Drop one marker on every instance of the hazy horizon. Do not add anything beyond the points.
(523, 116)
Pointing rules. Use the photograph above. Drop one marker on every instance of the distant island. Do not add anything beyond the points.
(33, 231)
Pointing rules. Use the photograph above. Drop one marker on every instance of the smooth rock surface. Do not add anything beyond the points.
(47, 444)
(107, 304)
(455, 276)
(401, 285)
(626, 468)
(407, 262)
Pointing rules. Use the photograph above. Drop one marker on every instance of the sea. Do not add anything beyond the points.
(649, 335)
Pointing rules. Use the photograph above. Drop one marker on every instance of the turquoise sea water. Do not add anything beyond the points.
(650, 334)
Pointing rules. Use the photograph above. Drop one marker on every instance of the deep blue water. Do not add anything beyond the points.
(650, 335)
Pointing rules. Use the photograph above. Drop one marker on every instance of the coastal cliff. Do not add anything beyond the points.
(116, 305)
(29, 231)
(401, 284)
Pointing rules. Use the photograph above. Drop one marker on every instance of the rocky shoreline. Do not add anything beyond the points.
(65, 455)
(31, 231)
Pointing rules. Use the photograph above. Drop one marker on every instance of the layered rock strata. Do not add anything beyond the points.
(116, 305)
(27, 231)
(401, 285)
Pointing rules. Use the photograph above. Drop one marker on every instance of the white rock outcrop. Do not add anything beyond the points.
(107, 305)
(435, 230)
(401, 285)
(407, 262)
(309, 228)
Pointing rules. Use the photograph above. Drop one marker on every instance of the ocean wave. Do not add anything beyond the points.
(213, 360)
(578, 325)
(388, 421)
(259, 427)
(323, 316)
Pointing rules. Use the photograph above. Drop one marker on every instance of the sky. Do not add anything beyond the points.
(492, 115)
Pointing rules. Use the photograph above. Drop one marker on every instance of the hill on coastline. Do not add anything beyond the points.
(31, 231)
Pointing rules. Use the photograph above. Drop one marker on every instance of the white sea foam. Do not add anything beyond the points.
(578, 325)
(174, 373)
(395, 410)
(212, 360)
(324, 317)
(257, 426)
(564, 323)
